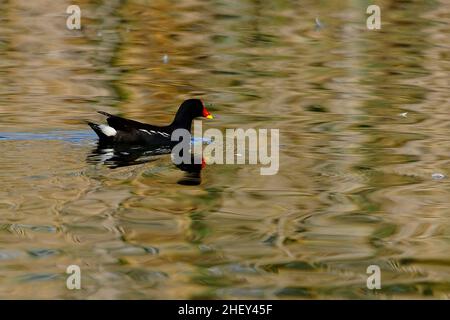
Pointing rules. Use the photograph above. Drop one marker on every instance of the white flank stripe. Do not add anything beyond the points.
(143, 130)
(152, 132)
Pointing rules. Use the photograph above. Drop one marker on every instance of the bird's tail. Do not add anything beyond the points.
(98, 130)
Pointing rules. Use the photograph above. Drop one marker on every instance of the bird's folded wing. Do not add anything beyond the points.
(120, 123)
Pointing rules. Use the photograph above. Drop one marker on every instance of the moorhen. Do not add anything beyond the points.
(120, 131)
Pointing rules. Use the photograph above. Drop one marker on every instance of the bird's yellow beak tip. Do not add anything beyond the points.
(209, 116)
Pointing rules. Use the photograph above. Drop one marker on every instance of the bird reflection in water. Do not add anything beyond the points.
(123, 156)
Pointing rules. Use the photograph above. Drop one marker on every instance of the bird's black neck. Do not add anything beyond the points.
(181, 121)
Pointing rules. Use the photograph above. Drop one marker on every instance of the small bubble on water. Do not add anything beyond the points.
(205, 248)
(165, 59)
(438, 176)
(318, 24)
(151, 250)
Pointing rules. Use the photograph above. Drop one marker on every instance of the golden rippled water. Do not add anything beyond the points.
(363, 120)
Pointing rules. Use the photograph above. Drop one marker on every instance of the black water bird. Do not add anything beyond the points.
(121, 131)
